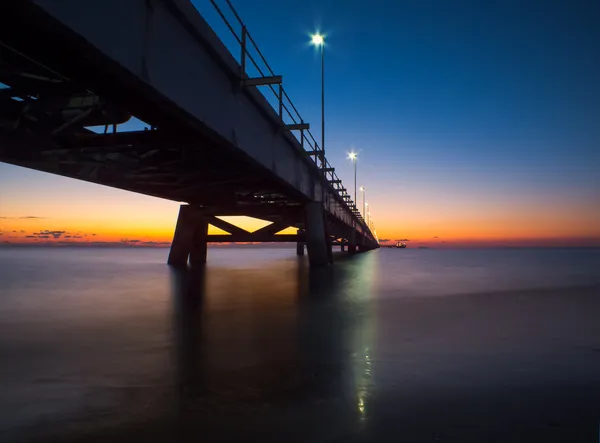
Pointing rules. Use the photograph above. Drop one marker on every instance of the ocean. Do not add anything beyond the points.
(100, 344)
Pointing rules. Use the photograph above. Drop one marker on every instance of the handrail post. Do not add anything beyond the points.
(280, 101)
(243, 57)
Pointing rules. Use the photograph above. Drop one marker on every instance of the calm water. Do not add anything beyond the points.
(392, 345)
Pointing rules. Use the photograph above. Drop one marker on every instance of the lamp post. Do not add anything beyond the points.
(352, 156)
(318, 40)
(364, 193)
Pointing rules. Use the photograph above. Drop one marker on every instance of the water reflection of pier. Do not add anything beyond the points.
(269, 356)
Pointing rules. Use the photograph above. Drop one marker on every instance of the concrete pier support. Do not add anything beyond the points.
(343, 245)
(189, 240)
(316, 235)
(352, 243)
(329, 245)
(199, 247)
(300, 248)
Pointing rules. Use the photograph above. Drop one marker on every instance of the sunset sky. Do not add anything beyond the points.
(476, 124)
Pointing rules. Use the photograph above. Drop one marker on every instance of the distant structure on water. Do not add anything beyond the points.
(399, 245)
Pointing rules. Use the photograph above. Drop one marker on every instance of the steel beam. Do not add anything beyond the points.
(249, 238)
(228, 227)
(273, 228)
(298, 126)
(263, 81)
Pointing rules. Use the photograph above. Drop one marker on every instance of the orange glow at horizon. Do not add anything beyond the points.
(54, 209)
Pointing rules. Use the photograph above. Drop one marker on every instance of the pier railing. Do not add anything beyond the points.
(251, 57)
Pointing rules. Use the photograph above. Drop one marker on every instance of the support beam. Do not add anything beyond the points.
(316, 239)
(274, 227)
(251, 238)
(300, 248)
(228, 227)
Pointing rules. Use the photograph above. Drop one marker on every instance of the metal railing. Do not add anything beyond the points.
(285, 108)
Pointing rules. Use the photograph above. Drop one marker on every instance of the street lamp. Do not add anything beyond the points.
(364, 191)
(353, 157)
(318, 41)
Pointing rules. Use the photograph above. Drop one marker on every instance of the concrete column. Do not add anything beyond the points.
(343, 245)
(199, 246)
(352, 242)
(361, 243)
(189, 240)
(182, 238)
(329, 249)
(316, 237)
(300, 248)
(328, 239)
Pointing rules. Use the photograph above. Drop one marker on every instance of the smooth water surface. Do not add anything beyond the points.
(391, 345)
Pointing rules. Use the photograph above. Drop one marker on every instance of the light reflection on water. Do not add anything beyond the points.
(98, 344)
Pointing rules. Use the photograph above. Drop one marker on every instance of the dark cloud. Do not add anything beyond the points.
(47, 233)
(93, 234)
(404, 239)
(22, 232)
(384, 240)
(21, 218)
(435, 236)
(40, 241)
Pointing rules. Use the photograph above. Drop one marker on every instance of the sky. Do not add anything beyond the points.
(476, 124)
